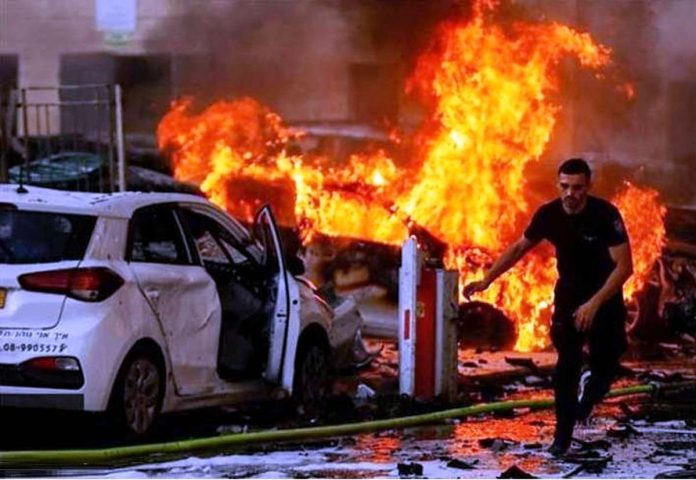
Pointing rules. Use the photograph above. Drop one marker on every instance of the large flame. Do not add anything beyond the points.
(644, 218)
(491, 97)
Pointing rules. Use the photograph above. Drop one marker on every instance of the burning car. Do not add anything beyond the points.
(667, 304)
(143, 303)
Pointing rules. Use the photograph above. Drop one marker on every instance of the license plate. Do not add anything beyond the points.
(3, 296)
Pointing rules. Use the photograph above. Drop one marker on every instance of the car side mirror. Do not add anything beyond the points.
(294, 264)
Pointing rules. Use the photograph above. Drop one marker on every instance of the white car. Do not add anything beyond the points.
(141, 303)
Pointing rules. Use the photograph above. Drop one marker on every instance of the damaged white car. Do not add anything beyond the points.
(142, 303)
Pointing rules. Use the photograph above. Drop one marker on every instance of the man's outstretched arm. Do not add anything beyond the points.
(621, 254)
(504, 263)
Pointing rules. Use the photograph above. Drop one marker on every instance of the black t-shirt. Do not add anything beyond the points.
(582, 244)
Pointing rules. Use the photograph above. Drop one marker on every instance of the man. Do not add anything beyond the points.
(594, 261)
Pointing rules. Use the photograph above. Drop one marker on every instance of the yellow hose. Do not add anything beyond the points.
(109, 456)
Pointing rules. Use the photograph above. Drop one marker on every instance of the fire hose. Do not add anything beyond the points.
(109, 456)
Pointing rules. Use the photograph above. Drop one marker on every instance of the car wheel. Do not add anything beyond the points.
(643, 319)
(138, 394)
(312, 382)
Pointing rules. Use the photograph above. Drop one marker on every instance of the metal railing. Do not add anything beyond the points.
(69, 137)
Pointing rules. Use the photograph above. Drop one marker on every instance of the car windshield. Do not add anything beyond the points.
(41, 237)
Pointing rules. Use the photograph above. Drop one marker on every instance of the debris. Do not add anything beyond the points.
(532, 446)
(410, 469)
(523, 362)
(672, 347)
(659, 376)
(678, 431)
(590, 461)
(594, 445)
(227, 429)
(677, 445)
(574, 471)
(482, 361)
(596, 467)
(462, 465)
(587, 456)
(688, 338)
(486, 442)
(622, 430)
(515, 472)
(594, 463)
(495, 444)
(536, 381)
(364, 392)
(490, 392)
(627, 410)
(581, 456)
(686, 473)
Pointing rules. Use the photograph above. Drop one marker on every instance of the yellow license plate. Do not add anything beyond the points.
(3, 296)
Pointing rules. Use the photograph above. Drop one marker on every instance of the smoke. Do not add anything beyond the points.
(677, 38)
(295, 56)
(290, 55)
(650, 139)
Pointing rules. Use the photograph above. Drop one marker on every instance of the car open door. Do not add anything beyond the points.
(285, 323)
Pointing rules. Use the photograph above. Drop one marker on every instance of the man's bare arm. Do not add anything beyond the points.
(505, 262)
(621, 254)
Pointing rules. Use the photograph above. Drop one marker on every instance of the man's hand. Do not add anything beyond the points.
(585, 314)
(475, 287)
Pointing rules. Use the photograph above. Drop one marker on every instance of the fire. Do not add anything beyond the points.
(491, 96)
(227, 141)
(644, 218)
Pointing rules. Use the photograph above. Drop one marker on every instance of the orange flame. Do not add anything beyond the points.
(644, 218)
(492, 94)
(491, 97)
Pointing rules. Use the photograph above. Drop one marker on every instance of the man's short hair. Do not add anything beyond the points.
(575, 166)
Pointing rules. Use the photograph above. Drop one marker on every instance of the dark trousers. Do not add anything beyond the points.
(606, 341)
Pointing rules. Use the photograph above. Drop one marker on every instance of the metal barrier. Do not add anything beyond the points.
(68, 137)
(427, 327)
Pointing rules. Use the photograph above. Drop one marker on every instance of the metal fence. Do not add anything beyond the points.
(68, 137)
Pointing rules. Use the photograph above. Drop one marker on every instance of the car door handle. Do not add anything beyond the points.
(153, 295)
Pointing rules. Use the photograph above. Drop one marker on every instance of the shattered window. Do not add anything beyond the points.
(213, 242)
(209, 249)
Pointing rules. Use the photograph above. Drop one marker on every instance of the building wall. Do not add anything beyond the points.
(294, 56)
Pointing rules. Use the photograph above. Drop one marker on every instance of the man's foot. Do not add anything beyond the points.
(562, 437)
(559, 447)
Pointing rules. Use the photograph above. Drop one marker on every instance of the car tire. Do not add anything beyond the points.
(313, 378)
(137, 395)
